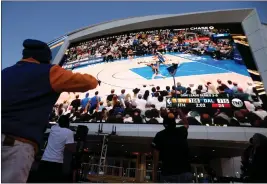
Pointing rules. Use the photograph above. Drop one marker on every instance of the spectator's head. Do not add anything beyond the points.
(114, 99)
(219, 81)
(164, 93)
(206, 119)
(220, 89)
(179, 84)
(163, 113)
(258, 140)
(96, 93)
(146, 95)
(235, 84)
(139, 96)
(153, 90)
(173, 87)
(122, 91)
(218, 120)
(136, 112)
(112, 91)
(153, 106)
(148, 114)
(134, 105)
(239, 116)
(63, 121)
(168, 88)
(169, 121)
(160, 98)
(156, 94)
(254, 119)
(188, 90)
(101, 103)
(77, 97)
(136, 91)
(229, 82)
(128, 97)
(158, 88)
(240, 90)
(154, 113)
(200, 87)
(37, 50)
(198, 91)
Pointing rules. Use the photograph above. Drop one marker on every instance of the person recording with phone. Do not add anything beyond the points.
(171, 147)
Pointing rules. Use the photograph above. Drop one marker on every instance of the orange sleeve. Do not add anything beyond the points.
(63, 80)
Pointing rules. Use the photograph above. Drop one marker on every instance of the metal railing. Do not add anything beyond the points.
(94, 173)
(115, 174)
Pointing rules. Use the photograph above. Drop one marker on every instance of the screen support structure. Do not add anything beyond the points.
(103, 156)
(172, 71)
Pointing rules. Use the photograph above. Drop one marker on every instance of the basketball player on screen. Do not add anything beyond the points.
(155, 70)
(160, 59)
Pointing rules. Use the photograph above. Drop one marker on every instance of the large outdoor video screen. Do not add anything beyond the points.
(212, 61)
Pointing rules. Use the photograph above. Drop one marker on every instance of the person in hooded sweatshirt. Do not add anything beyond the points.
(32, 86)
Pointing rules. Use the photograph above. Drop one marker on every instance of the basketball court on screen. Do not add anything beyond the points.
(130, 74)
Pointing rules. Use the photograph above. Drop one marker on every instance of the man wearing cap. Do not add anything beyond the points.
(31, 86)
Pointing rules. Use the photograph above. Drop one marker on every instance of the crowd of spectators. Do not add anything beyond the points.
(147, 105)
(148, 42)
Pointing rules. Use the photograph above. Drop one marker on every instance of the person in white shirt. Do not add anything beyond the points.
(141, 103)
(160, 103)
(60, 137)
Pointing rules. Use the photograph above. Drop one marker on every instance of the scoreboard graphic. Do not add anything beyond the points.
(204, 101)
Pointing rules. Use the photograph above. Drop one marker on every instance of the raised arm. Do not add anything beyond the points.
(64, 80)
(183, 118)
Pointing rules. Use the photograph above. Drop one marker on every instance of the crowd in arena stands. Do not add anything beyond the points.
(148, 43)
(147, 105)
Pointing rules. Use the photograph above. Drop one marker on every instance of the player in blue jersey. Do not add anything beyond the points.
(160, 59)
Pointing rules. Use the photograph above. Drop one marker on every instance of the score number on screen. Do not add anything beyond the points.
(201, 102)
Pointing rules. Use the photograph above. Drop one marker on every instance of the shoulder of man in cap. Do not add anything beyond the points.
(34, 44)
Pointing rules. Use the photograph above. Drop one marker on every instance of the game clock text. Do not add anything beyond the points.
(203, 101)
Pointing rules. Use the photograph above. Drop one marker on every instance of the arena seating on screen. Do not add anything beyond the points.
(147, 43)
(128, 108)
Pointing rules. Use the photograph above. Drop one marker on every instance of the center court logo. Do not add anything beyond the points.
(237, 103)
